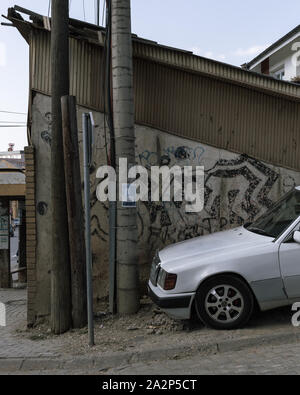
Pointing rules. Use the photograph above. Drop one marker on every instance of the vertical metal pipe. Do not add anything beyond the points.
(112, 257)
(86, 166)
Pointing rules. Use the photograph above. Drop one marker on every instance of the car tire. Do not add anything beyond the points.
(224, 302)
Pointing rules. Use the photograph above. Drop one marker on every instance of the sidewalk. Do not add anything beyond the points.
(150, 335)
(12, 345)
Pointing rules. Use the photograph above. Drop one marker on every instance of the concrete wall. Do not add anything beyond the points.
(41, 140)
(237, 189)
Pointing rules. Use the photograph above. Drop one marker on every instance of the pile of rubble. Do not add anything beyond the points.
(160, 323)
(117, 333)
(150, 319)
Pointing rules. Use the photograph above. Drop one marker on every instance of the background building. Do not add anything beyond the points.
(281, 59)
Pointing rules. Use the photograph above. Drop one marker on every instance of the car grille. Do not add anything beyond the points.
(155, 267)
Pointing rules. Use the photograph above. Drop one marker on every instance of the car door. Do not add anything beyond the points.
(289, 258)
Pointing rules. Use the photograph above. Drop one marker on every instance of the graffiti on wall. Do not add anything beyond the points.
(46, 135)
(245, 189)
(183, 154)
(236, 191)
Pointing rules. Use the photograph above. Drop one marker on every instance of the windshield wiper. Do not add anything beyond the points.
(259, 231)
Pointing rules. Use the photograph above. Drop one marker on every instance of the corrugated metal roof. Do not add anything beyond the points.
(218, 113)
(151, 50)
(187, 95)
(85, 69)
(218, 70)
(86, 65)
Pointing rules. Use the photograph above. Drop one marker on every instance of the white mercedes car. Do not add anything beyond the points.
(223, 275)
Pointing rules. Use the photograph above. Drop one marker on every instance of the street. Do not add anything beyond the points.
(279, 360)
(284, 359)
(270, 346)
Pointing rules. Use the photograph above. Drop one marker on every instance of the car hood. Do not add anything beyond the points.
(216, 243)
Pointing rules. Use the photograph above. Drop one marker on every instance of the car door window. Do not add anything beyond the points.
(279, 217)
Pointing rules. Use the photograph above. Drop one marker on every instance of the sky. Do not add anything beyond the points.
(231, 31)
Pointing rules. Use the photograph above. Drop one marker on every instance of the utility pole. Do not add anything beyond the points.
(97, 12)
(75, 211)
(123, 118)
(61, 319)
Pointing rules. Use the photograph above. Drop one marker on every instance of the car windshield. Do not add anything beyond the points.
(278, 217)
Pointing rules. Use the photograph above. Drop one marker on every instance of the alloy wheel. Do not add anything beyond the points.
(224, 303)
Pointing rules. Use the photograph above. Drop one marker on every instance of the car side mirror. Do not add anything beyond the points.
(296, 237)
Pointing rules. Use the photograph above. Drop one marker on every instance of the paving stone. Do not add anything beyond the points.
(12, 344)
(12, 364)
(263, 360)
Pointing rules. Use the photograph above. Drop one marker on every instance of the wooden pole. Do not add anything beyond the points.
(75, 211)
(61, 320)
(86, 134)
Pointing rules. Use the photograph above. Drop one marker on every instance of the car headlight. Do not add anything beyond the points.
(155, 267)
(166, 280)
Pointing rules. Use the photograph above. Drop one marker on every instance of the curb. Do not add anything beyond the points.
(116, 360)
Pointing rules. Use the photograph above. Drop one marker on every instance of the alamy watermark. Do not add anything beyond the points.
(136, 183)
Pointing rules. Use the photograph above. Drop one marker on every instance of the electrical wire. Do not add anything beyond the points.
(97, 12)
(83, 5)
(49, 7)
(15, 123)
(13, 126)
(12, 112)
(103, 12)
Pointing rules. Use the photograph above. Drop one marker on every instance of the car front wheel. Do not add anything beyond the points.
(224, 302)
